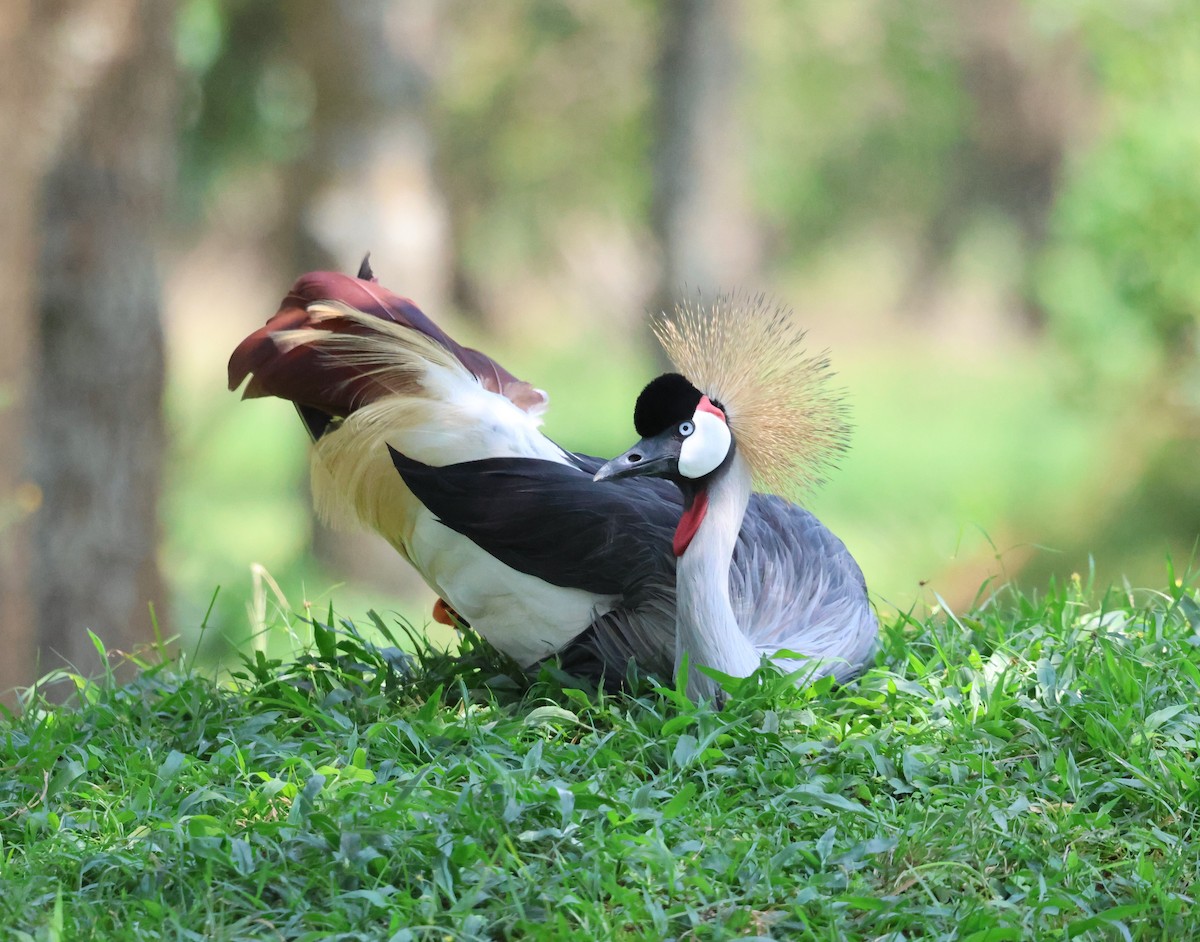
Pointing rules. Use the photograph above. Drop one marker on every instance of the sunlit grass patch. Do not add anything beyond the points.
(1023, 770)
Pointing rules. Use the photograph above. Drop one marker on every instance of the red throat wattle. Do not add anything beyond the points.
(689, 523)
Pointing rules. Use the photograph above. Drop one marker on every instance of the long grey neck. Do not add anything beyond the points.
(706, 629)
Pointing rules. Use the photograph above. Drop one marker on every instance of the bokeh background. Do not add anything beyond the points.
(988, 211)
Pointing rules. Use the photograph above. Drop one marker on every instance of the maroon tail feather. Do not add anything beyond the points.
(309, 376)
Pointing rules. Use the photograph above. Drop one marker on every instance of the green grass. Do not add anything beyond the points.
(1028, 770)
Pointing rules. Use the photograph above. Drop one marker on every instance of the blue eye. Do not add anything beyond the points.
(686, 429)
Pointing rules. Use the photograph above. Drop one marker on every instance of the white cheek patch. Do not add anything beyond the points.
(705, 449)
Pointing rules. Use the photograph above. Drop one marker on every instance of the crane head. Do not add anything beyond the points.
(685, 435)
(751, 354)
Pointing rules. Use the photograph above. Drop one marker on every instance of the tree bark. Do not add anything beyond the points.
(96, 436)
(701, 217)
(51, 55)
(18, 104)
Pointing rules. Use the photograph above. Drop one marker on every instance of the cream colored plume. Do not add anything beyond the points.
(395, 355)
(749, 354)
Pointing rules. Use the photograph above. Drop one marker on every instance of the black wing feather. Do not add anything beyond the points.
(553, 521)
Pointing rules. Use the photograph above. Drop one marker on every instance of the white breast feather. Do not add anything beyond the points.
(525, 617)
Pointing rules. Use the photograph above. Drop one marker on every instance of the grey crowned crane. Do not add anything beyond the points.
(762, 412)
(437, 447)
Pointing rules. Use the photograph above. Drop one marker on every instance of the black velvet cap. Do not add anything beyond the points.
(667, 400)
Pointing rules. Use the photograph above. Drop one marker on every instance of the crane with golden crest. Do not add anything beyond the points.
(438, 448)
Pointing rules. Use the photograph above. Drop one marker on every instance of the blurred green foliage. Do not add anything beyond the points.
(538, 109)
(848, 106)
(1121, 277)
(246, 100)
(885, 145)
(853, 115)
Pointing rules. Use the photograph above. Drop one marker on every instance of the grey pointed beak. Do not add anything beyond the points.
(657, 456)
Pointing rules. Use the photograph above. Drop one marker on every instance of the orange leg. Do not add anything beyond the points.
(443, 614)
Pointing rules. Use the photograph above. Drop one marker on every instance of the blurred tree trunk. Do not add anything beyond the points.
(96, 436)
(369, 185)
(701, 216)
(51, 54)
(1029, 99)
(371, 180)
(20, 103)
